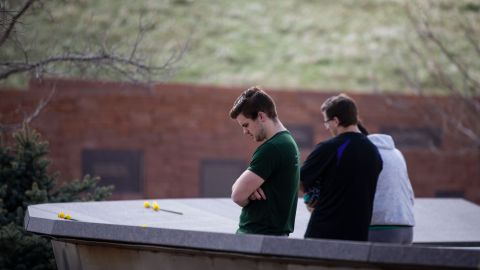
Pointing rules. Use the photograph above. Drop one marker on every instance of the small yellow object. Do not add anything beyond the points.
(61, 215)
(156, 207)
(144, 225)
(146, 204)
(68, 217)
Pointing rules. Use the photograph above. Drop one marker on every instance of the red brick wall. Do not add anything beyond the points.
(177, 126)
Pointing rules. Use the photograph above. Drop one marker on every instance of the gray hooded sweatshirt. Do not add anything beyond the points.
(394, 198)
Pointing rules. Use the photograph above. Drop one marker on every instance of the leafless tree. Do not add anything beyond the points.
(18, 55)
(451, 62)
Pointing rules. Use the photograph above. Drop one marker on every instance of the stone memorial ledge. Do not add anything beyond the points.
(128, 236)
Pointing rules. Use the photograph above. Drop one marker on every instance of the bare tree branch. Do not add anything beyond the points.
(40, 106)
(429, 51)
(97, 58)
(30, 116)
(409, 76)
(6, 34)
(460, 66)
(101, 58)
(470, 34)
(141, 33)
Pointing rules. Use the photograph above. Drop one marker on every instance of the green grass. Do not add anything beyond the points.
(346, 44)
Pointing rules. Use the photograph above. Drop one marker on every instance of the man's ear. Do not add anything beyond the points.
(261, 116)
(336, 120)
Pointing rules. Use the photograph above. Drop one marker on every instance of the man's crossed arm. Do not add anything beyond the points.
(247, 187)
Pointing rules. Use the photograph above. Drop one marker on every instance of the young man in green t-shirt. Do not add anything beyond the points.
(268, 189)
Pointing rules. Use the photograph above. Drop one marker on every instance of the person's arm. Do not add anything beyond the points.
(244, 186)
(315, 165)
(258, 195)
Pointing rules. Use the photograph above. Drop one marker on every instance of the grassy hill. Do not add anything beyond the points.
(346, 44)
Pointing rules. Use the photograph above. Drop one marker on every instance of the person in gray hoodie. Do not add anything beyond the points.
(392, 218)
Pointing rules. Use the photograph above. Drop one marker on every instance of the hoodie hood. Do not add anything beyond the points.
(382, 141)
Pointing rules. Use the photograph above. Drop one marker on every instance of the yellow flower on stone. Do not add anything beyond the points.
(146, 204)
(61, 215)
(156, 207)
(68, 217)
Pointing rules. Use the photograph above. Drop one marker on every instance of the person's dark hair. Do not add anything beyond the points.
(343, 107)
(252, 101)
(362, 128)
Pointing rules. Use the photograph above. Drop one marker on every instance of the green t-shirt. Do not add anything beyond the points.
(277, 161)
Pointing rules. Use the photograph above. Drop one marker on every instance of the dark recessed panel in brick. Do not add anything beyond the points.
(121, 168)
(450, 194)
(414, 137)
(303, 135)
(218, 176)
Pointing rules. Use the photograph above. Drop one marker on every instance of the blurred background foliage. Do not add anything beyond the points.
(350, 45)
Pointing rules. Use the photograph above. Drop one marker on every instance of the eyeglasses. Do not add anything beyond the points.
(325, 123)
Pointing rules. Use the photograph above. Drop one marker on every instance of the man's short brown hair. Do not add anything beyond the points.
(343, 107)
(252, 101)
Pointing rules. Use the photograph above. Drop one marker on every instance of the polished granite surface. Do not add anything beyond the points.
(447, 231)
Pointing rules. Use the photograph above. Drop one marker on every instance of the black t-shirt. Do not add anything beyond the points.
(345, 169)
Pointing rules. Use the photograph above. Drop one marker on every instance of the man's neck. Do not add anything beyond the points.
(274, 128)
(351, 128)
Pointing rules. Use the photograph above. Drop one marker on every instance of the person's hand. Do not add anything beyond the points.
(311, 205)
(257, 195)
(310, 198)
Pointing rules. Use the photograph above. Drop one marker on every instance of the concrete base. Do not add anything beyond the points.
(125, 235)
(82, 255)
